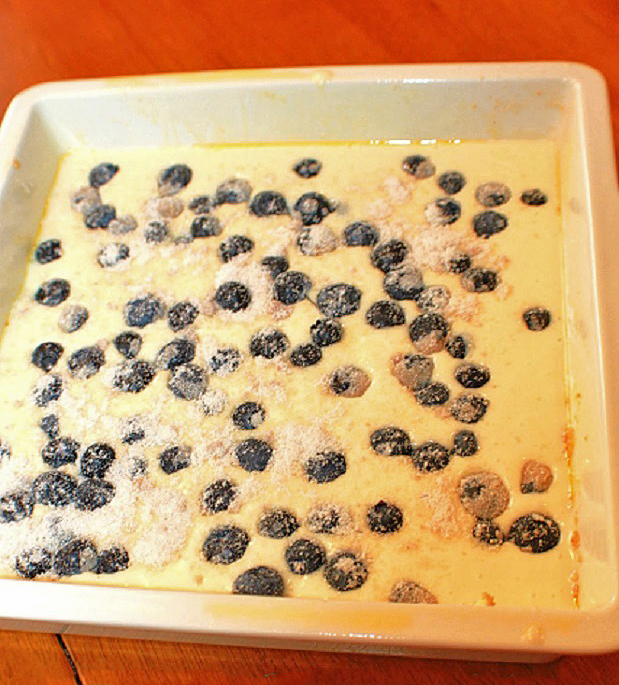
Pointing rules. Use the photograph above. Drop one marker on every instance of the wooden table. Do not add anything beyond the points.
(61, 39)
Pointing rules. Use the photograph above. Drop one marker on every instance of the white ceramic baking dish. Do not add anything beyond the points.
(565, 102)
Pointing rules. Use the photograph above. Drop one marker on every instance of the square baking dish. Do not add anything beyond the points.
(564, 102)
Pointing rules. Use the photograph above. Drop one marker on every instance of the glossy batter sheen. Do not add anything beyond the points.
(157, 516)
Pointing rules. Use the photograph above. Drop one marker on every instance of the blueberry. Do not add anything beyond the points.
(143, 311)
(418, 166)
(275, 265)
(96, 460)
(253, 454)
(50, 426)
(403, 283)
(483, 494)
(60, 451)
(384, 518)
(259, 580)
(174, 459)
(101, 174)
(444, 211)
(428, 332)
(291, 287)
(413, 371)
(16, 506)
(339, 299)
(535, 476)
(128, 344)
(325, 467)
(156, 232)
(316, 240)
(360, 234)
(457, 346)
(48, 251)
(488, 533)
(173, 354)
(133, 431)
(92, 493)
(76, 557)
(33, 562)
(434, 298)
(133, 375)
(112, 560)
(313, 208)
(385, 314)
(47, 390)
(489, 223)
(85, 198)
(218, 496)
(112, 255)
(201, 204)
(326, 332)
(268, 343)
(469, 408)
(233, 191)
(225, 545)
(348, 381)
(328, 520)
(391, 441)
(304, 557)
(86, 362)
(536, 318)
(277, 524)
(430, 456)
(173, 179)
(306, 354)
(181, 315)
(432, 395)
(472, 375)
(459, 263)
(451, 182)
(535, 533)
(479, 280)
(225, 361)
(386, 256)
(409, 592)
(123, 225)
(54, 292)
(99, 216)
(307, 167)
(72, 318)
(233, 296)
(188, 381)
(534, 197)
(492, 194)
(465, 444)
(268, 203)
(53, 488)
(46, 355)
(233, 246)
(345, 571)
(248, 416)
(205, 226)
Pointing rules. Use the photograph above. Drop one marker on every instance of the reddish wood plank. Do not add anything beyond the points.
(33, 659)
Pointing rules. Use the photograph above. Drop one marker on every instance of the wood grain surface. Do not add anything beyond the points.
(62, 39)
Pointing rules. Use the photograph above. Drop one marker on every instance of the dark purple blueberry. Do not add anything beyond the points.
(234, 191)
(391, 441)
(389, 255)
(306, 354)
(428, 332)
(457, 346)
(143, 311)
(451, 182)
(46, 355)
(307, 167)
(360, 234)
(50, 426)
(275, 265)
(465, 444)
(314, 241)
(92, 493)
(403, 283)
(430, 456)
(459, 263)
(478, 280)
(188, 381)
(489, 223)
(339, 299)
(175, 458)
(225, 361)
(410, 592)
(326, 332)
(60, 451)
(268, 203)
(173, 354)
(418, 166)
(201, 204)
(225, 545)
(313, 208)
(469, 408)
(173, 179)
(325, 467)
(112, 560)
(444, 211)
(112, 255)
(99, 216)
(345, 571)
(488, 533)
(432, 395)
(101, 174)
(268, 343)
(205, 226)
(472, 375)
(156, 232)
(413, 371)
(76, 557)
(384, 518)
(277, 524)
(53, 488)
(181, 315)
(291, 287)
(385, 314)
(434, 298)
(234, 245)
(47, 390)
(33, 562)
(96, 460)
(16, 506)
(133, 375)
(54, 292)
(536, 318)
(492, 194)
(72, 318)
(133, 431)
(328, 520)
(253, 454)
(259, 580)
(86, 362)
(535, 533)
(218, 496)
(48, 251)
(534, 197)
(248, 416)
(128, 344)
(233, 296)
(304, 557)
